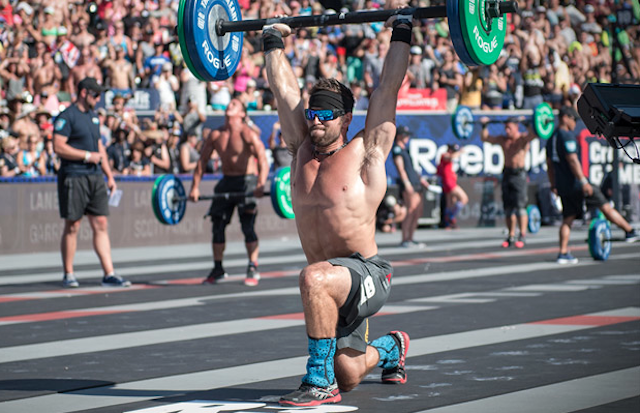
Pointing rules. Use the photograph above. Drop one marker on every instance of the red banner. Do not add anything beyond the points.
(422, 99)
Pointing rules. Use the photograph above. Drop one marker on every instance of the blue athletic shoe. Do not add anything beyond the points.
(631, 236)
(69, 281)
(398, 375)
(115, 281)
(566, 259)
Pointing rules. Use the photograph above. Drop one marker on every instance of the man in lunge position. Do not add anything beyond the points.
(336, 188)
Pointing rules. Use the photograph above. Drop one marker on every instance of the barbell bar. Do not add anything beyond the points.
(355, 17)
(210, 32)
(169, 199)
(463, 121)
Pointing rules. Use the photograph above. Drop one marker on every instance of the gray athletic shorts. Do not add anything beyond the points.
(514, 190)
(573, 205)
(370, 288)
(82, 194)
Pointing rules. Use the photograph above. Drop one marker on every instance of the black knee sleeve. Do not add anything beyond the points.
(219, 226)
(247, 223)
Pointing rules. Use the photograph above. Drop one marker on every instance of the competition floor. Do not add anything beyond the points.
(492, 330)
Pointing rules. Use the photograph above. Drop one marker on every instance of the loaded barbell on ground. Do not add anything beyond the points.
(169, 198)
(463, 121)
(210, 32)
(599, 239)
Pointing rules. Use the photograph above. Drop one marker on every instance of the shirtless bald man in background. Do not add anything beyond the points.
(245, 169)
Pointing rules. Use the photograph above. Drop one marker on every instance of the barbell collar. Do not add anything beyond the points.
(496, 8)
(321, 20)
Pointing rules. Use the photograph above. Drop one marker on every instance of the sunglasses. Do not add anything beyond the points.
(94, 94)
(324, 114)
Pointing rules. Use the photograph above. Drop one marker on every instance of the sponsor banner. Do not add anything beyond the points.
(30, 221)
(422, 99)
(141, 100)
(432, 133)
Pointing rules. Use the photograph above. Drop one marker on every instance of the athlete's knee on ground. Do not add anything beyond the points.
(349, 371)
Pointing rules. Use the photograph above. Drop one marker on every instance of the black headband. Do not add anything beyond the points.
(325, 99)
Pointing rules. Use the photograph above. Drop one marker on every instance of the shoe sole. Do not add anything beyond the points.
(251, 282)
(117, 285)
(395, 381)
(564, 262)
(331, 400)
(76, 285)
(207, 281)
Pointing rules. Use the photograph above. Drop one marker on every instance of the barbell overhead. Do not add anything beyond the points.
(169, 198)
(210, 32)
(463, 121)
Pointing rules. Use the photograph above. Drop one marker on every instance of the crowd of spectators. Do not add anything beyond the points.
(552, 49)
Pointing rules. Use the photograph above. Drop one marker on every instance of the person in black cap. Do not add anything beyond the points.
(337, 185)
(411, 186)
(569, 182)
(515, 145)
(81, 187)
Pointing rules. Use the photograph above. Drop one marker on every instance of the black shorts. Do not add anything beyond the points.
(573, 205)
(370, 288)
(417, 187)
(222, 209)
(514, 190)
(80, 195)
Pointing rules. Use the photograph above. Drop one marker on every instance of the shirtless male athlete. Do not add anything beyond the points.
(245, 169)
(515, 146)
(86, 67)
(336, 188)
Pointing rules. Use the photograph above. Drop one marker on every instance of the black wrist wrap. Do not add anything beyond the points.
(271, 39)
(401, 34)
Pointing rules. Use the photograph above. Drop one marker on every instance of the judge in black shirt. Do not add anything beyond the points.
(81, 186)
